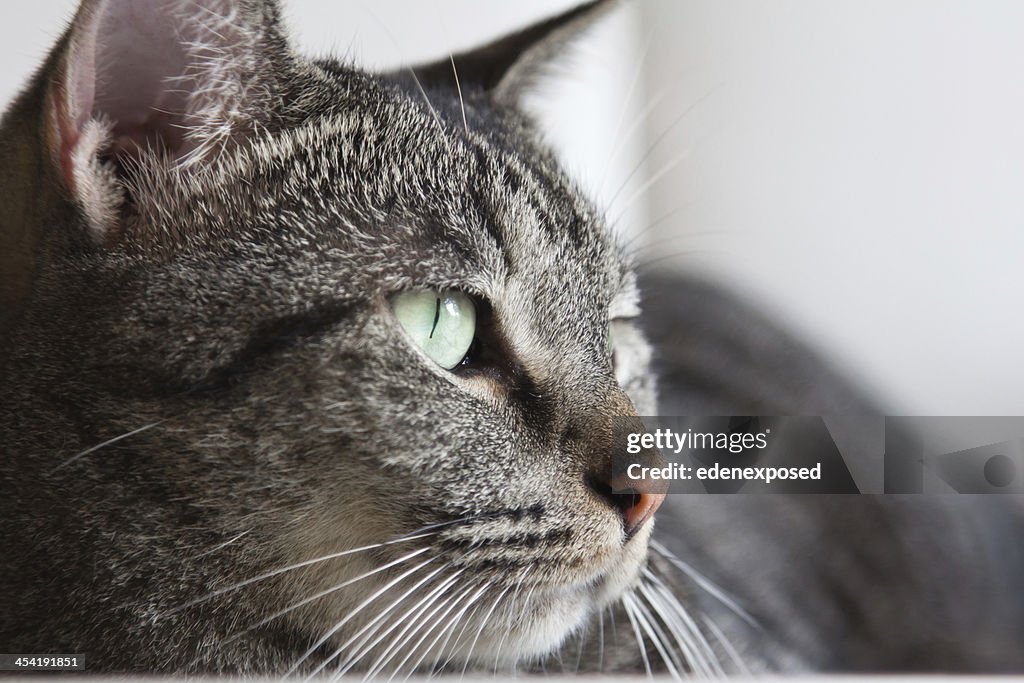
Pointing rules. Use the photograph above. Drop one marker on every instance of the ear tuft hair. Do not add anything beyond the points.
(174, 80)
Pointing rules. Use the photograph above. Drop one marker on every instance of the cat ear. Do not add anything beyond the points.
(178, 78)
(508, 67)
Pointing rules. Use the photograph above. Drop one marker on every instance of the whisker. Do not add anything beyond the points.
(659, 244)
(433, 622)
(627, 602)
(727, 645)
(293, 567)
(374, 622)
(483, 623)
(667, 168)
(656, 143)
(326, 592)
(627, 245)
(579, 652)
(638, 123)
(348, 617)
(412, 72)
(647, 265)
(458, 86)
(504, 635)
(680, 634)
(654, 633)
(457, 617)
(106, 443)
(426, 100)
(225, 544)
(634, 80)
(704, 583)
(706, 654)
(412, 619)
(475, 603)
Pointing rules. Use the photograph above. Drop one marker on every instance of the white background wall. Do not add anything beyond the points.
(856, 166)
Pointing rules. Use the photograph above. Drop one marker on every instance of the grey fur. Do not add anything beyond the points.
(203, 383)
(229, 297)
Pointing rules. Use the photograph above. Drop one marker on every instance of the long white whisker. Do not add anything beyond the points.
(726, 645)
(411, 71)
(641, 119)
(670, 608)
(658, 140)
(225, 544)
(655, 177)
(704, 583)
(455, 71)
(483, 623)
(680, 634)
(656, 635)
(106, 443)
(411, 620)
(458, 86)
(293, 567)
(426, 99)
(504, 635)
(348, 617)
(579, 651)
(436, 620)
(627, 602)
(367, 632)
(473, 603)
(326, 592)
(634, 80)
(691, 657)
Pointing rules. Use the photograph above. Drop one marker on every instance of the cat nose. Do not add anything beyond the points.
(636, 500)
(636, 506)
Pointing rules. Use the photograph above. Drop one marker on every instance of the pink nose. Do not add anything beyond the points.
(636, 501)
(639, 507)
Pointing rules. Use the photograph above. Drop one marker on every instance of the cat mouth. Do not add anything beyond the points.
(550, 612)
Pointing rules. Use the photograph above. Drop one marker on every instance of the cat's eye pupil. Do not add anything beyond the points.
(440, 322)
(437, 316)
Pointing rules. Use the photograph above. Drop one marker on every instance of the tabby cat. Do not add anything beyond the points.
(308, 370)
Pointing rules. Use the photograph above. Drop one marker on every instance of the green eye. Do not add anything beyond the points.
(443, 324)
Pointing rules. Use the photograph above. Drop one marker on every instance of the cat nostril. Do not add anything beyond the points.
(636, 507)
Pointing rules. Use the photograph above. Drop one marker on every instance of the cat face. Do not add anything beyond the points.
(240, 277)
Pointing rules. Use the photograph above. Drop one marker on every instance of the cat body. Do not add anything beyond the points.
(223, 452)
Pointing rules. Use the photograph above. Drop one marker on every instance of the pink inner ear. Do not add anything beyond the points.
(127, 66)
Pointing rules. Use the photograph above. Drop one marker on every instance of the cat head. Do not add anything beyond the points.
(315, 313)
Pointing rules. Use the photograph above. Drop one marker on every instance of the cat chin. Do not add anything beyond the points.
(537, 630)
(541, 626)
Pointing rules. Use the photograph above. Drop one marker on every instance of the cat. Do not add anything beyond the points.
(312, 370)
(221, 252)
